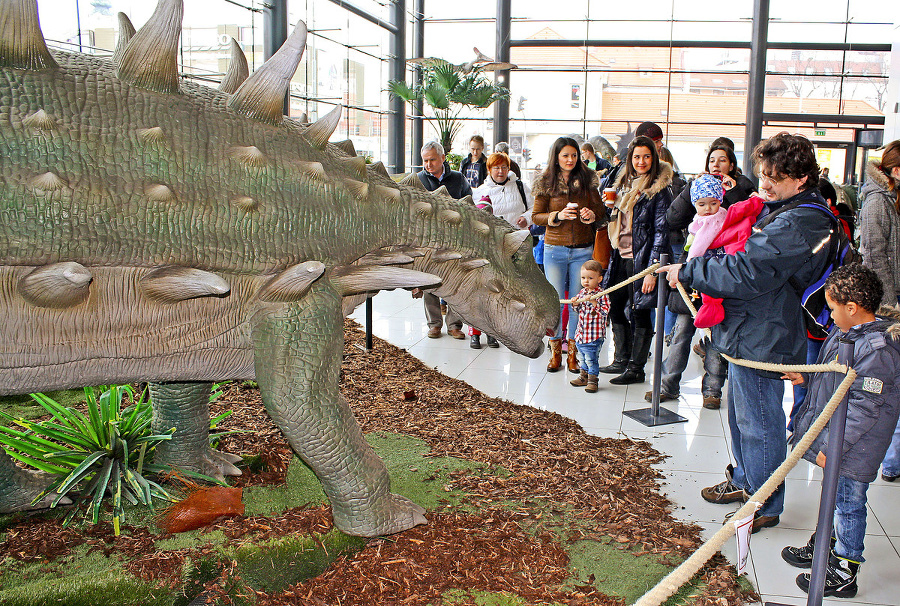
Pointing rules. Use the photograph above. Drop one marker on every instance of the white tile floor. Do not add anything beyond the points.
(698, 450)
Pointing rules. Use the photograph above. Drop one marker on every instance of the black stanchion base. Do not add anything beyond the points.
(776, 604)
(361, 348)
(645, 417)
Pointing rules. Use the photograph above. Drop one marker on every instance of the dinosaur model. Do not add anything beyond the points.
(156, 230)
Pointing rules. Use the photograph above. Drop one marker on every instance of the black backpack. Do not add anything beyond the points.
(841, 251)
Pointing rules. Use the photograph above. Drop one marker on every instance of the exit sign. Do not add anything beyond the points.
(820, 133)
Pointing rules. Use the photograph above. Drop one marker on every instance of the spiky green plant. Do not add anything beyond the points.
(446, 90)
(107, 450)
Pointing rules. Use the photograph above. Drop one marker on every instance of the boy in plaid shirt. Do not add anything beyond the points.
(591, 329)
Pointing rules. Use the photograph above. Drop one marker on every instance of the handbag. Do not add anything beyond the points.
(677, 305)
(602, 247)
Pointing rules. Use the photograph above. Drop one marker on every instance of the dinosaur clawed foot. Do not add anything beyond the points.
(208, 461)
(381, 517)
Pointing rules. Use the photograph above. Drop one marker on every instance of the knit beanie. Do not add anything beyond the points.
(706, 186)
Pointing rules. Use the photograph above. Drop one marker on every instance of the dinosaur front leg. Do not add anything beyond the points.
(19, 487)
(185, 406)
(298, 350)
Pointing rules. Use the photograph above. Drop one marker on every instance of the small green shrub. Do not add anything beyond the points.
(107, 450)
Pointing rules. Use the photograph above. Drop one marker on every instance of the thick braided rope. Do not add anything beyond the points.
(621, 284)
(686, 571)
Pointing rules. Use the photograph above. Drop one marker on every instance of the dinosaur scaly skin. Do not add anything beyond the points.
(163, 235)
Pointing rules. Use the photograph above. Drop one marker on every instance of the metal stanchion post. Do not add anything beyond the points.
(825, 522)
(655, 415)
(369, 345)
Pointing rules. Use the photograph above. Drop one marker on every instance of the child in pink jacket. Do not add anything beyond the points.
(716, 231)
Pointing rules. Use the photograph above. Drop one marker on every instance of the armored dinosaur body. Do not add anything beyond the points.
(156, 230)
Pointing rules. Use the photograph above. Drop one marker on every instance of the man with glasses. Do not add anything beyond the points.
(761, 288)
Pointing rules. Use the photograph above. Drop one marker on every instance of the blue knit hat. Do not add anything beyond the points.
(706, 186)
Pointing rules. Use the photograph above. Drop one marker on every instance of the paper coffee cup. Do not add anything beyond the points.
(572, 205)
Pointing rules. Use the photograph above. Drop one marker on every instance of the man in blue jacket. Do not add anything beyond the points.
(763, 320)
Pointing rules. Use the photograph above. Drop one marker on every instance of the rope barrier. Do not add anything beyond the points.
(690, 567)
(621, 284)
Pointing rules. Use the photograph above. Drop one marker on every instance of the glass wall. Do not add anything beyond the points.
(345, 60)
(680, 63)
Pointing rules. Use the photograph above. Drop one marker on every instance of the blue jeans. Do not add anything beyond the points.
(891, 464)
(813, 347)
(588, 356)
(562, 266)
(850, 518)
(677, 360)
(758, 439)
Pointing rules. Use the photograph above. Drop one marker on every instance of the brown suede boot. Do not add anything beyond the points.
(572, 360)
(581, 381)
(555, 355)
(592, 386)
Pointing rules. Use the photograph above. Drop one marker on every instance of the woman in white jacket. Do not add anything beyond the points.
(509, 198)
(504, 195)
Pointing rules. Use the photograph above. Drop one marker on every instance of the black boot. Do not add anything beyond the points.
(840, 577)
(640, 351)
(622, 343)
(475, 342)
(802, 557)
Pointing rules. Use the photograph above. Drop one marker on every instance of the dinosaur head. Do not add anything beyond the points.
(508, 298)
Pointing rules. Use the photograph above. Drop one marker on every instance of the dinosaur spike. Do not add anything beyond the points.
(442, 256)
(441, 192)
(292, 283)
(151, 135)
(467, 200)
(450, 216)
(513, 241)
(321, 130)
(238, 70)
(56, 286)
(380, 257)
(359, 189)
(261, 96)
(422, 208)
(150, 59)
(347, 147)
(303, 118)
(379, 169)
(245, 203)
(351, 280)
(126, 32)
(494, 286)
(517, 306)
(357, 166)
(314, 169)
(389, 192)
(175, 283)
(249, 155)
(412, 180)
(470, 264)
(48, 182)
(39, 120)
(22, 44)
(481, 228)
(159, 192)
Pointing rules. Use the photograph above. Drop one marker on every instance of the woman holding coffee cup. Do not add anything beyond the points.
(639, 234)
(567, 200)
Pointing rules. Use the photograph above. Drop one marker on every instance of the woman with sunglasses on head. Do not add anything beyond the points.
(639, 234)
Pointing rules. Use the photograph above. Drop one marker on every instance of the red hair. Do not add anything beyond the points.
(497, 158)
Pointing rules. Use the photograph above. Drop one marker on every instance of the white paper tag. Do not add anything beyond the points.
(742, 530)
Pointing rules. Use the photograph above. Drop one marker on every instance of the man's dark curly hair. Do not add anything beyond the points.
(787, 155)
(856, 283)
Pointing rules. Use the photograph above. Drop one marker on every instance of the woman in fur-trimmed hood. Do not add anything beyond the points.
(880, 221)
(639, 234)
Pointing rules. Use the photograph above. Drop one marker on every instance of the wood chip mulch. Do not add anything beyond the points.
(607, 488)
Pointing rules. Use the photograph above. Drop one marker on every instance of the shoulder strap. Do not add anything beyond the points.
(521, 189)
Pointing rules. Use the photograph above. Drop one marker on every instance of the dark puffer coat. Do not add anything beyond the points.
(649, 232)
(874, 404)
(762, 309)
